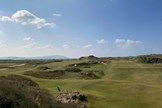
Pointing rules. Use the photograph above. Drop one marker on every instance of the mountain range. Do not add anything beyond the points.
(58, 57)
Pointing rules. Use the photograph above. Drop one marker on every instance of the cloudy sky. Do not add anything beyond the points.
(77, 28)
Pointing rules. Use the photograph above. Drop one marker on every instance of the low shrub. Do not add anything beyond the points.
(89, 75)
(46, 74)
(149, 59)
(20, 79)
(73, 69)
(84, 64)
(101, 73)
(43, 68)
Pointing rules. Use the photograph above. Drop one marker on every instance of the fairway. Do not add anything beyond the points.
(126, 84)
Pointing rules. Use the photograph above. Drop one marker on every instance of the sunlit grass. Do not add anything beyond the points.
(126, 84)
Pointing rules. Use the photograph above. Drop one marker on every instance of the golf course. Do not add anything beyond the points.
(116, 83)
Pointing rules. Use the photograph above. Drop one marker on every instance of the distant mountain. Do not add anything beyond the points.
(50, 57)
(58, 57)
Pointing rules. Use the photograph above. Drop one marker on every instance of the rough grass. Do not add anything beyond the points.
(126, 84)
(73, 71)
(20, 92)
(56, 74)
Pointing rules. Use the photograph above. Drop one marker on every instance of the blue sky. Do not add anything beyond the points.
(77, 28)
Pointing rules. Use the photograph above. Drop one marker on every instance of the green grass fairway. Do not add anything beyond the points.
(126, 84)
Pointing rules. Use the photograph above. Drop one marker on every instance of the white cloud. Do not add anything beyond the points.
(4, 48)
(87, 46)
(1, 32)
(2, 44)
(5, 18)
(30, 45)
(102, 41)
(33, 44)
(37, 49)
(24, 17)
(66, 46)
(57, 14)
(28, 39)
(127, 43)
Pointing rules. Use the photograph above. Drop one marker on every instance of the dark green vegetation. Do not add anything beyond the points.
(150, 59)
(73, 69)
(46, 74)
(21, 92)
(81, 69)
(122, 82)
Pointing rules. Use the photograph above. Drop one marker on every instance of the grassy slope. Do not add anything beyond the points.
(126, 84)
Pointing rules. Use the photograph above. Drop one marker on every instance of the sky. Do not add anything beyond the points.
(76, 28)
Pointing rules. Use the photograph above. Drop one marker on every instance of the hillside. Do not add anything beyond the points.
(20, 92)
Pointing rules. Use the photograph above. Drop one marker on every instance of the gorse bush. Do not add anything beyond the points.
(89, 75)
(73, 69)
(46, 74)
(43, 68)
(20, 92)
(150, 59)
(84, 64)
(20, 79)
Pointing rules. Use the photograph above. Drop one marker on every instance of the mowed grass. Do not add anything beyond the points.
(126, 84)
